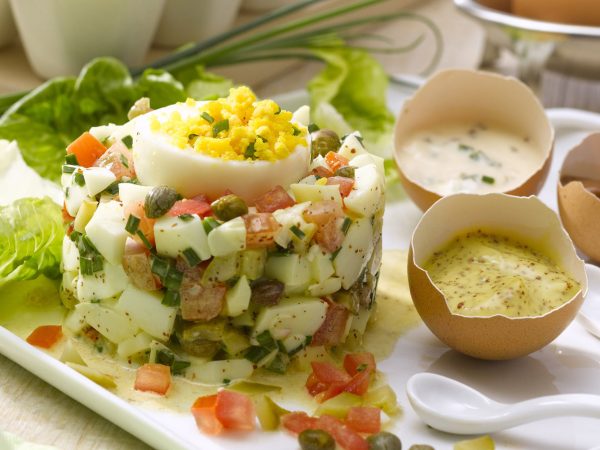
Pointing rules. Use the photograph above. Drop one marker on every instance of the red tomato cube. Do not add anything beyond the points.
(358, 362)
(276, 198)
(328, 373)
(203, 410)
(235, 411)
(344, 183)
(346, 438)
(297, 422)
(153, 378)
(364, 419)
(45, 336)
(87, 149)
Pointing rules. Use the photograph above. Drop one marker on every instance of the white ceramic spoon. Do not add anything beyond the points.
(450, 406)
(589, 314)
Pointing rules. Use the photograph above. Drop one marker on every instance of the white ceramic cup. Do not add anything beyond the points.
(186, 21)
(61, 36)
(7, 27)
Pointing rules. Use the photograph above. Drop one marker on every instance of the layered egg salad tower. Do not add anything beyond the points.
(221, 236)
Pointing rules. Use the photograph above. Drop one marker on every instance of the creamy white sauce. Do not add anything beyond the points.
(463, 157)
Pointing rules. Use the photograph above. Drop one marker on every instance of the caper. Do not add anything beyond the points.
(346, 171)
(421, 447)
(384, 441)
(316, 440)
(159, 200)
(323, 142)
(229, 207)
(266, 292)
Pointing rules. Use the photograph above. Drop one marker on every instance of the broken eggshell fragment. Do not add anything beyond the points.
(494, 337)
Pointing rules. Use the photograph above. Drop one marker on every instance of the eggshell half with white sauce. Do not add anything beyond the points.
(495, 337)
(579, 204)
(469, 96)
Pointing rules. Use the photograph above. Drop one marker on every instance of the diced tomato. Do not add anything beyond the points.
(235, 411)
(328, 373)
(45, 336)
(276, 198)
(119, 160)
(322, 172)
(359, 384)
(329, 236)
(153, 378)
(322, 212)
(260, 229)
(331, 331)
(315, 386)
(87, 149)
(297, 422)
(346, 438)
(335, 161)
(137, 266)
(200, 302)
(203, 411)
(332, 390)
(190, 206)
(344, 183)
(146, 225)
(201, 198)
(364, 419)
(359, 362)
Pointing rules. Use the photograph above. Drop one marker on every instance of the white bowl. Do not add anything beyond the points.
(61, 36)
(186, 21)
(7, 26)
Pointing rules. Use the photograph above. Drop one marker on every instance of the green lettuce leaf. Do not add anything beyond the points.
(47, 119)
(31, 235)
(203, 85)
(350, 94)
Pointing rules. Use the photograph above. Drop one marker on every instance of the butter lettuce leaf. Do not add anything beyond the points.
(31, 235)
(350, 94)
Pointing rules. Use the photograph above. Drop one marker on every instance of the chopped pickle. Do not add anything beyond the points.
(480, 443)
(70, 354)
(94, 375)
(234, 341)
(269, 413)
(252, 263)
(211, 331)
(384, 398)
(339, 405)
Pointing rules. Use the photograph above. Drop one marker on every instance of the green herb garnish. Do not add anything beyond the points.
(346, 225)
(71, 159)
(312, 127)
(297, 232)
(209, 224)
(250, 151)
(144, 239)
(185, 217)
(191, 257)
(487, 179)
(132, 225)
(68, 169)
(79, 179)
(334, 254)
(124, 161)
(223, 125)
(128, 141)
(171, 298)
(255, 353)
(266, 340)
(206, 116)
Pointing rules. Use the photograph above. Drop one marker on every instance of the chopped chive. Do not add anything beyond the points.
(192, 136)
(66, 192)
(128, 141)
(133, 223)
(295, 130)
(256, 353)
(75, 236)
(261, 138)
(334, 254)
(361, 367)
(307, 340)
(298, 232)
(359, 139)
(206, 116)
(173, 279)
(164, 357)
(68, 169)
(185, 217)
(179, 366)
(278, 110)
(346, 225)
(226, 380)
(465, 148)
(487, 179)
(97, 263)
(279, 363)
(250, 151)
(78, 178)
(85, 265)
(209, 224)
(312, 127)
(266, 340)
(191, 257)
(171, 298)
(124, 161)
(475, 155)
(113, 188)
(71, 159)
(223, 125)
(160, 267)
(144, 239)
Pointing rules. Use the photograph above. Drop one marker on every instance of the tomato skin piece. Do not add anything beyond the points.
(352, 362)
(335, 161)
(45, 336)
(359, 384)
(297, 422)
(260, 230)
(87, 149)
(203, 411)
(328, 373)
(364, 419)
(153, 378)
(314, 386)
(322, 172)
(346, 438)
(345, 184)
(333, 390)
(276, 198)
(190, 206)
(235, 411)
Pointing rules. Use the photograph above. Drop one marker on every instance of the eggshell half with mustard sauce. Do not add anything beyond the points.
(469, 96)
(579, 195)
(495, 337)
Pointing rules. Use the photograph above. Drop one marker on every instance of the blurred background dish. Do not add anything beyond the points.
(7, 25)
(61, 36)
(263, 5)
(185, 21)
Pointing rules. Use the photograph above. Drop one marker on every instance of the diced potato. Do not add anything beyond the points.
(74, 197)
(75, 320)
(70, 255)
(321, 267)
(131, 194)
(358, 325)
(220, 372)
(97, 179)
(252, 263)
(367, 158)
(326, 287)
(107, 283)
(134, 345)
(351, 147)
(315, 192)
(146, 310)
(291, 217)
(174, 235)
(292, 270)
(228, 238)
(106, 230)
(222, 268)
(84, 215)
(235, 341)
(112, 324)
(96, 376)
(366, 196)
(246, 319)
(354, 252)
(237, 298)
(383, 398)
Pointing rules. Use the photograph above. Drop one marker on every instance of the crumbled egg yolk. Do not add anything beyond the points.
(237, 127)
